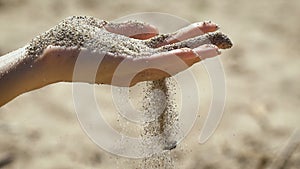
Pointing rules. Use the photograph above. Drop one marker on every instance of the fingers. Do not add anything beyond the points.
(216, 38)
(170, 63)
(133, 29)
(187, 55)
(188, 32)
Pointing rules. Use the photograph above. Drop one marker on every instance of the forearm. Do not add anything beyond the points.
(19, 74)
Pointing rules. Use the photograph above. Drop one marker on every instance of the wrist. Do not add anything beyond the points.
(20, 73)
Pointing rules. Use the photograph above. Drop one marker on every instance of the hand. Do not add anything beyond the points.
(133, 46)
(127, 44)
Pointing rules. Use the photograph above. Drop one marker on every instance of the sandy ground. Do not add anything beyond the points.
(40, 129)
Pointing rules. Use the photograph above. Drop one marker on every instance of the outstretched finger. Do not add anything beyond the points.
(133, 29)
(185, 33)
(216, 38)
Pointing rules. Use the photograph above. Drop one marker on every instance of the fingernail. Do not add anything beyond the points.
(207, 51)
(208, 26)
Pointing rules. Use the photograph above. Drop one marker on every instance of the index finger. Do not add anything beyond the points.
(190, 31)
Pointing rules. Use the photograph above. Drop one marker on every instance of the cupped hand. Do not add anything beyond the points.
(130, 52)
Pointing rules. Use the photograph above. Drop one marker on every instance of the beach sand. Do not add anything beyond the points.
(40, 129)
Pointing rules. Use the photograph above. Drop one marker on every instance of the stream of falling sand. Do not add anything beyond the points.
(162, 131)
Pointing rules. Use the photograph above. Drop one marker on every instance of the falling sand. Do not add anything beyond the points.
(89, 32)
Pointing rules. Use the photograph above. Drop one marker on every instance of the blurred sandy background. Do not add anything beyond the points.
(40, 129)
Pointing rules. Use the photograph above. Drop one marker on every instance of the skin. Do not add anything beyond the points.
(20, 74)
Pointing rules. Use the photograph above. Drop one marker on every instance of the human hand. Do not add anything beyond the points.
(134, 44)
